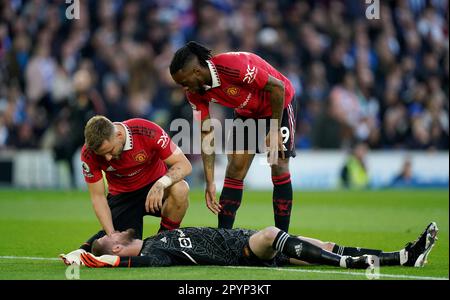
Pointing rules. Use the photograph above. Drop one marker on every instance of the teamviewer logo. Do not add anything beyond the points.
(73, 10)
(373, 9)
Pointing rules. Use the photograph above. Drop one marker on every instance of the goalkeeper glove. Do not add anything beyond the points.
(72, 257)
(104, 261)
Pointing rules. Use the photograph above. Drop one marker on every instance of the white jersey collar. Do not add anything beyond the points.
(214, 76)
(128, 137)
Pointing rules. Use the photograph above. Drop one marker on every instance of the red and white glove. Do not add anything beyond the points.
(72, 258)
(104, 261)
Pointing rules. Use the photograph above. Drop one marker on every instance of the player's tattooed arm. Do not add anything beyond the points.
(209, 157)
(207, 148)
(175, 173)
(274, 140)
(179, 168)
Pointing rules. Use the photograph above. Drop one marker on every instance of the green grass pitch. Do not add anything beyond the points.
(35, 226)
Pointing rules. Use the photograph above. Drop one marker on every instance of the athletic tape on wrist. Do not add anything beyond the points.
(165, 181)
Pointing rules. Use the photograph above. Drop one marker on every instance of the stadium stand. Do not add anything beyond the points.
(384, 82)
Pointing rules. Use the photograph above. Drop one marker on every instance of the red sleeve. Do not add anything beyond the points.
(91, 169)
(200, 108)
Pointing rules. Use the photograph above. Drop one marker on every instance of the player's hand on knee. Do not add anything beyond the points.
(154, 198)
(104, 261)
(274, 143)
(72, 258)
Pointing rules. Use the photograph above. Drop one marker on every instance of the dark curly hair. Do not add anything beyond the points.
(186, 53)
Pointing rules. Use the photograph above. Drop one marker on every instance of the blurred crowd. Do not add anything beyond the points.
(381, 81)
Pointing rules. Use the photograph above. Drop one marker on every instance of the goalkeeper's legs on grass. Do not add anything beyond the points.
(267, 242)
(414, 254)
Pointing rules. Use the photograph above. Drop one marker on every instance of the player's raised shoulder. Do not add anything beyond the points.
(145, 128)
(140, 122)
(229, 57)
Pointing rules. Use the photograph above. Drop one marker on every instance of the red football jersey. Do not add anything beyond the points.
(238, 80)
(141, 162)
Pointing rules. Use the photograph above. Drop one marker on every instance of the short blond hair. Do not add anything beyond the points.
(97, 130)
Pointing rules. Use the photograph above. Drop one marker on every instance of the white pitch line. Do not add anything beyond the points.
(29, 258)
(275, 269)
(339, 273)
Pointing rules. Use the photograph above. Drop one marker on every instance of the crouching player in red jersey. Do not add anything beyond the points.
(134, 155)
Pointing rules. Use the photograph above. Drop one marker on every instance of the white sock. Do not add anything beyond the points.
(342, 262)
(403, 256)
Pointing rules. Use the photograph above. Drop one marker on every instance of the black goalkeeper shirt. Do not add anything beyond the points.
(199, 245)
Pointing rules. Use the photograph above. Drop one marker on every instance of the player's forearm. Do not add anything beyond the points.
(277, 94)
(208, 156)
(179, 168)
(178, 171)
(103, 213)
(277, 104)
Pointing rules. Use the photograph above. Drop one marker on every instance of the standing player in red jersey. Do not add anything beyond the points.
(256, 90)
(133, 154)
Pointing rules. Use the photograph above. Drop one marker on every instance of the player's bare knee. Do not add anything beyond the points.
(269, 234)
(281, 168)
(182, 188)
(179, 193)
(235, 171)
(328, 246)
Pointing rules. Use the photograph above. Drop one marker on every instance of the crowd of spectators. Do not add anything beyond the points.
(382, 81)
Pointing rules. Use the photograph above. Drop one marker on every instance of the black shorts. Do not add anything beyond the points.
(248, 258)
(248, 134)
(128, 210)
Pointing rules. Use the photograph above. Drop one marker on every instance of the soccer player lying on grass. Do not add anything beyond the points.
(268, 247)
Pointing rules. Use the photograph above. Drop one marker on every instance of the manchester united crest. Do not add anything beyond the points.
(140, 157)
(232, 91)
